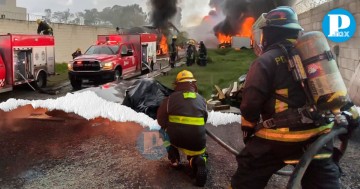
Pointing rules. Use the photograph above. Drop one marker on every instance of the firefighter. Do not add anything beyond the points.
(275, 133)
(190, 54)
(173, 51)
(202, 54)
(76, 53)
(44, 28)
(182, 117)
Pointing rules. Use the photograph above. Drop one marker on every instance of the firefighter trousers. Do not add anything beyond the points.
(259, 160)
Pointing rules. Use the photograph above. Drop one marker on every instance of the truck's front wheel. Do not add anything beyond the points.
(117, 75)
(76, 83)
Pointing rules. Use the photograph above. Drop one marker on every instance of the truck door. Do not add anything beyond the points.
(144, 53)
(127, 56)
(50, 59)
(145, 62)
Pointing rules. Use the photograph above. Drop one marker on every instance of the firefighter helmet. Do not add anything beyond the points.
(174, 37)
(282, 17)
(38, 21)
(185, 76)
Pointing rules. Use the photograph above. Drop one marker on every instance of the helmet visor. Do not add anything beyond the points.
(257, 34)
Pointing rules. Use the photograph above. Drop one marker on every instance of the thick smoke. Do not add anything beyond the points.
(162, 12)
(216, 4)
(237, 10)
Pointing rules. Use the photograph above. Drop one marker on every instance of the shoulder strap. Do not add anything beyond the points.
(284, 99)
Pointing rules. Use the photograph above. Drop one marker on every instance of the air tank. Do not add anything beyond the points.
(323, 76)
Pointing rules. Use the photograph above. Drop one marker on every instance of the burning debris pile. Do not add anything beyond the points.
(231, 18)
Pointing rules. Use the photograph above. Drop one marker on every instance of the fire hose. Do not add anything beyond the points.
(235, 152)
(297, 174)
(40, 90)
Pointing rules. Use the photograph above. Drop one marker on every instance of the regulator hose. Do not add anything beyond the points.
(298, 173)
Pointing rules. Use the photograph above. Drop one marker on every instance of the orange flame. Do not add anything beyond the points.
(223, 38)
(245, 31)
(163, 46)
(246, 27)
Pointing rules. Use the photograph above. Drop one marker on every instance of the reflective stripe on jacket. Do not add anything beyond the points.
(183, 114)
(284, 135)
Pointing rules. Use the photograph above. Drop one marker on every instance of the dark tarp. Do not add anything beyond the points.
(145, 96)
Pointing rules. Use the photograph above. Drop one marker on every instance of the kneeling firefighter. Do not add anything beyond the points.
(283, 109)
(182, 117)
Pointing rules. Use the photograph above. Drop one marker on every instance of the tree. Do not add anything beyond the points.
(91, 17)
(124, 17)
(63, 17)
(78, 19)
(47, 17)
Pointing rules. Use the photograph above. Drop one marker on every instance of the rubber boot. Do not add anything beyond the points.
(198, 163)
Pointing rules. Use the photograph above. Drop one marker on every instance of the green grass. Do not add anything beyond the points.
(61, 76)
(224, 67)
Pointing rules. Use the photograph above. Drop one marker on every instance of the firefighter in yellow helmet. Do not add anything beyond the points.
(182, 117)
(44, 28)
(191, 53)
(173, 51)
(276, 125)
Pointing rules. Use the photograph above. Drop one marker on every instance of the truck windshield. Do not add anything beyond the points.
(102, 49)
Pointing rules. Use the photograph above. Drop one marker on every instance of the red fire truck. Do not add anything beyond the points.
(114, 57)
(25, 59)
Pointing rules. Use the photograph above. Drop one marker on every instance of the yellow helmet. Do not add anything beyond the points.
(185, 76)
(174, 36)
(38, 21)
(78, 49)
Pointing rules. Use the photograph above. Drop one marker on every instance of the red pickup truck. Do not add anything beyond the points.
(114, 57)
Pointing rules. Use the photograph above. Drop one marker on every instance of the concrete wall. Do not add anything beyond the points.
(67, 37)
(9, 10)
(349, 52)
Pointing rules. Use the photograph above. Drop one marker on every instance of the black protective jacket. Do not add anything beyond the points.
(268, 75)
(190, 108)
(44, 27)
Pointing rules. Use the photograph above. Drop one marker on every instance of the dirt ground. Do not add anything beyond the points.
(70, 152)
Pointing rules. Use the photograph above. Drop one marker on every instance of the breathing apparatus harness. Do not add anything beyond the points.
(295, 117)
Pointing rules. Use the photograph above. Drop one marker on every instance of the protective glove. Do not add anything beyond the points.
(247, 134)
(353, 119)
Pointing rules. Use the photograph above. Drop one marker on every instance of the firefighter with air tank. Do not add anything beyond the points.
(293, 92)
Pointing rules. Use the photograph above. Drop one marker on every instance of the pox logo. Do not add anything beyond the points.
(151, 145)
(339, 25)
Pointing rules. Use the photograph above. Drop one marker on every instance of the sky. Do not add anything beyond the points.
(191, 16)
